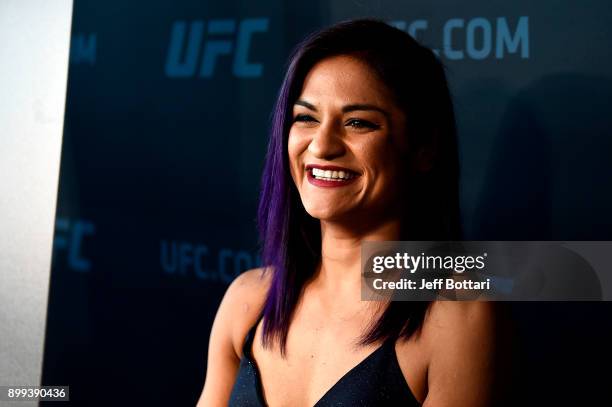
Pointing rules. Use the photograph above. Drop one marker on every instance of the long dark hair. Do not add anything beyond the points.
(290, 238)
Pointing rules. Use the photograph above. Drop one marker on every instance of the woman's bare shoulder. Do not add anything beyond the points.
(460, 338)
(460, 317)
(469, 322)
(243, 303)
(238, 310)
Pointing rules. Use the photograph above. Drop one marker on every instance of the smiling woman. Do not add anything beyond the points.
(350, 120)
(362, 147)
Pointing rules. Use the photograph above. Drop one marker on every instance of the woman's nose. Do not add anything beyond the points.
(327, 142)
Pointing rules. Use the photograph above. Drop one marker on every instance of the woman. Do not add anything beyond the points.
(362, 148)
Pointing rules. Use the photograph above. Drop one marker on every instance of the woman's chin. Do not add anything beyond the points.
(328, 214)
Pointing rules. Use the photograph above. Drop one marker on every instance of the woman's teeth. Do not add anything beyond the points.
(328, 175)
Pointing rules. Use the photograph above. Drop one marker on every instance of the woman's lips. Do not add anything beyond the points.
(330, 176)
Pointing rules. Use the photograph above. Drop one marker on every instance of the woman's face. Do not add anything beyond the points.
(346, 142)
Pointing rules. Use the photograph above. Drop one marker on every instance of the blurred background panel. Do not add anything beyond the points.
(167, 117)
(34, 46)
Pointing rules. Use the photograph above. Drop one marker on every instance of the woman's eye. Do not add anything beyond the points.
(303, 118)
(360, 124)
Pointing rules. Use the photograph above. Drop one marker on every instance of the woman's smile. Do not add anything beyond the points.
(330, 176)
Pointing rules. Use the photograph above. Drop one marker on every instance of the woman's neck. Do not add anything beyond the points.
(339, 272)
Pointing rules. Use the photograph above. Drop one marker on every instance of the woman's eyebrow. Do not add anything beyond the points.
(306, 105)
(347, 108)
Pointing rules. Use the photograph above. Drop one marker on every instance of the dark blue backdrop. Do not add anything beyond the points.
(166, 126)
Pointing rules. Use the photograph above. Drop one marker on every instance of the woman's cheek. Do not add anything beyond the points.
(375, 151)
(293, 150)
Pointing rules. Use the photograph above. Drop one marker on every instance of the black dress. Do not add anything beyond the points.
(375, 381)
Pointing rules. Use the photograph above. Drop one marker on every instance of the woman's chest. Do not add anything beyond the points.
(316, 359)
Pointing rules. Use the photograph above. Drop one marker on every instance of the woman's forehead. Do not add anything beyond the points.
(346, 79)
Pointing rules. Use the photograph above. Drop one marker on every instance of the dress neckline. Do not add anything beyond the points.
(247, 354)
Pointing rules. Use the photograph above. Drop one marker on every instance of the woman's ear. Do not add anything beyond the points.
(425, 155)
